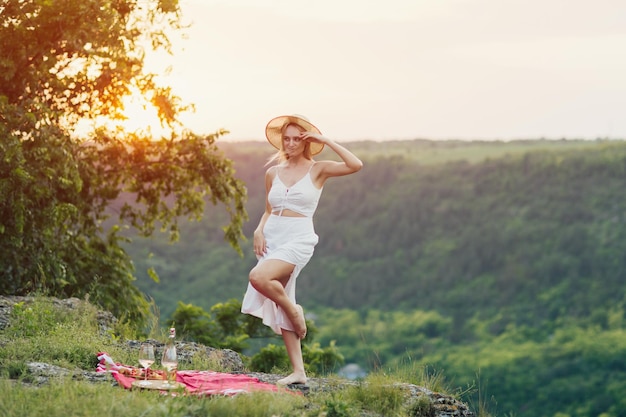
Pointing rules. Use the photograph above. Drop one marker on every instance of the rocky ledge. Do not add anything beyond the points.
(41, 373)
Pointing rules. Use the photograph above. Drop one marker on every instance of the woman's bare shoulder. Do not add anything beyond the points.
(271, 171)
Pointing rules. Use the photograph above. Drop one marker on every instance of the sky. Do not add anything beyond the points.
(405, 69)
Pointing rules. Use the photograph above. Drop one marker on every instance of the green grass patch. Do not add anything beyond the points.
(71, 398)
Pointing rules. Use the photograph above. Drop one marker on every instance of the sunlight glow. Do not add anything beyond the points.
(140, 117)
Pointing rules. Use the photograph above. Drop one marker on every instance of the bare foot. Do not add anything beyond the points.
(299, 323)
(294, 378)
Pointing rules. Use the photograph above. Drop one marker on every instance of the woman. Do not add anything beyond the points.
(285, 238)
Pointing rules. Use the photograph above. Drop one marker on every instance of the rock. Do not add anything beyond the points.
(39, 373)
(6, 307)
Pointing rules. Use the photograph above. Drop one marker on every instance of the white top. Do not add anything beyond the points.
(302, 197)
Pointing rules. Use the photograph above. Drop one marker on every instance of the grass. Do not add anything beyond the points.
(72, 398)
(43, 332)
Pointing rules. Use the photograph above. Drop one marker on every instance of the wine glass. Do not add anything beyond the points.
(146, 358)
(169, 361)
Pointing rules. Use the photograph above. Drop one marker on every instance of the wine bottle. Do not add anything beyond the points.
(170, 359)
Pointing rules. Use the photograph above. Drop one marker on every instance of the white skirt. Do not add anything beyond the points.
(289, 239)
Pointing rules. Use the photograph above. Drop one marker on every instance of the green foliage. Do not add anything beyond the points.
(223, 327)
(577, 371)
(271, 359)
(376, 337)
(422, 406)
(317, 360)
(463, 257)
(208, 359)
(15, 369)
(497, 233)
(322, 361)
(67, 201)
(413, 372)
(194, 324)
(43, 331)
(381, 394)
(61, 330)
(226, 327)
(336, 407)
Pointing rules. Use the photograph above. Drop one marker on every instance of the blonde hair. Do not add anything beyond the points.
(281, 156)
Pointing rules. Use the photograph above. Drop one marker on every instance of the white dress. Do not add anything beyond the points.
(289, 239)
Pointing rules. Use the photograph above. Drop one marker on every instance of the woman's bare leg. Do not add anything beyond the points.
(294, 350)
(269, 278)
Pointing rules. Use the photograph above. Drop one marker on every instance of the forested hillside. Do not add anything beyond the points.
(455, 254)
(520, 234)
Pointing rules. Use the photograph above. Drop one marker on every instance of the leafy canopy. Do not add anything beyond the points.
(67, 199)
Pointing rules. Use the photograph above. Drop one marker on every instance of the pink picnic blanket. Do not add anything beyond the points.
(195, 382)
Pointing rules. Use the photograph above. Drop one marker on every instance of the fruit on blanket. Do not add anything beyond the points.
(139, 373)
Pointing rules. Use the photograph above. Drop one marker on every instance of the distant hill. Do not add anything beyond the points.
(499, 263)
(445, 225)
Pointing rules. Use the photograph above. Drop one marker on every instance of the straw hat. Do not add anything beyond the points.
(273, 131)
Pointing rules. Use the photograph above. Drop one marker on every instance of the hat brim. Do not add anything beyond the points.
(274, 135)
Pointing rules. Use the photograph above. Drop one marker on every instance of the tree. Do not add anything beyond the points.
(66, 200)
(223, 326)
(226, 328)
